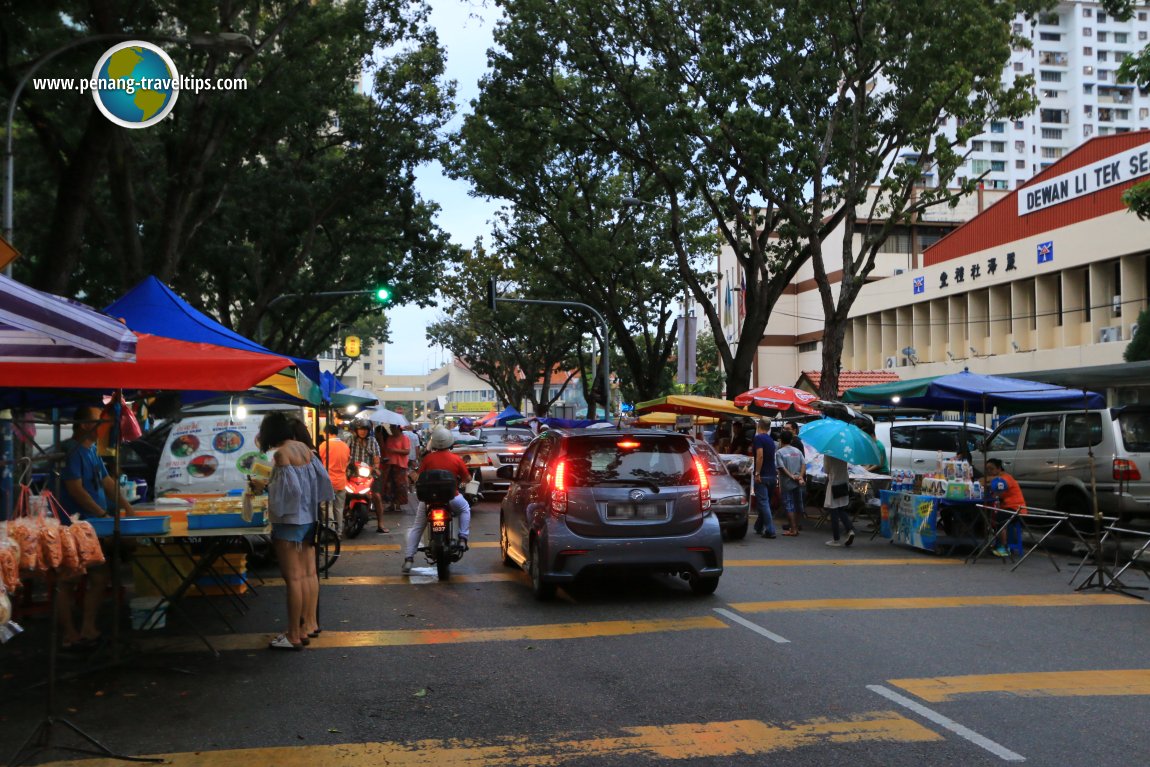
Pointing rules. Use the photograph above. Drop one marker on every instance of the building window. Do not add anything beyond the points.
(1020, 146)
(367, 366)
(1121, 114)
(1087, 31)
(998, 165)
(979, 166)
(1103, 56)
(1020, 164)
(1051, 152)
(1087, 12)
(997, 127)
(812, 346)
(998, 146)
(1053, 133)
(1018, 66)
(1143, 113)
(1142, 15)
(1051, 37)
(1051, 77)
(1102, 17)
(1000, 184)
(1088, 88)
(977, 146)
(1142, 35)
(1120, 37)
(1102, 36)
(1088, 51)
(1088, 109)
(1103, 130)
(1087, 70)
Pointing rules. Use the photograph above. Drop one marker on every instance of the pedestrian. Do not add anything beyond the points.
(334, 455)
(89, 491)
(791, 465)
(379, 494)
(397, 448)
(766, 477)
(298, 485)
(838, 498)
(796, 440)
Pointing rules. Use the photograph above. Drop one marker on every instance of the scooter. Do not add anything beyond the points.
(357, 508)
(436, 488)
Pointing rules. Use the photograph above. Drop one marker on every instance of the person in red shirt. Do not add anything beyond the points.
(1004, 489)
(396, 450)
(335, 455)
(439, 456)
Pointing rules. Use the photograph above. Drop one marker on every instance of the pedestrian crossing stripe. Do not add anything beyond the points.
(1047, 684)
(691, 740)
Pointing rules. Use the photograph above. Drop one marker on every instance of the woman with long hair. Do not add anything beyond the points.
(298, 485)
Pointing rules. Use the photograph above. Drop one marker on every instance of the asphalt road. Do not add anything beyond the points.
(806, 655)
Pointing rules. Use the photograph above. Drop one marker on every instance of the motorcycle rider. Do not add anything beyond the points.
(365, 449)
(439, 456)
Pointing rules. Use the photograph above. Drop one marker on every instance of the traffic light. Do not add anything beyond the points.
(491, 293)
(384, 294)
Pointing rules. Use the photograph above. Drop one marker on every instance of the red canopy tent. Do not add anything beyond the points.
(161, 363)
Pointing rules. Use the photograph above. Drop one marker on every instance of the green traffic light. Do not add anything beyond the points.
(383, 294)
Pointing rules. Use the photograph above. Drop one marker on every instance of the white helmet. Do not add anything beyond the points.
(441, 439)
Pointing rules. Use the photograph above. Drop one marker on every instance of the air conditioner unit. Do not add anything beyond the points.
(891, 362)
(1107, 335)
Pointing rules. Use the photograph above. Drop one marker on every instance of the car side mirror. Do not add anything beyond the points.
(506, 472)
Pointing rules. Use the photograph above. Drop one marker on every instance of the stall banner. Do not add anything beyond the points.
(209, 454)
(910, 519)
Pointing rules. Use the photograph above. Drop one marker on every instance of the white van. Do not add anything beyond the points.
(916, 445)
(1049, 454)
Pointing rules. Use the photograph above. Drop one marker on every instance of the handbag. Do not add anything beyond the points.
(841, 490)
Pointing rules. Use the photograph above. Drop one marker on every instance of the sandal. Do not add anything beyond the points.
(791, 534)
(283, 643)
(382, 530)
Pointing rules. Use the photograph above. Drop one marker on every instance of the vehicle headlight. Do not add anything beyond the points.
(731, 500)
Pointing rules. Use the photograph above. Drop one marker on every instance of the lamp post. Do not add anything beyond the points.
(230, 41)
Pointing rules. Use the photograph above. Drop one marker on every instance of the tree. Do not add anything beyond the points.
(1134, 69)
(299, 184)
(709, 375)
(510, 348)
(1139, 347)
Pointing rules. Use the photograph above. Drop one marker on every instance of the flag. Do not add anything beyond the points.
(742, 296)
(727, 307)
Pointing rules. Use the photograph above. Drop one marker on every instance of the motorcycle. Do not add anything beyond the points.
(436, 488)
(357, 508)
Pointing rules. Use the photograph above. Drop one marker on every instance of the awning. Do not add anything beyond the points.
(690, 404)
(976, 393)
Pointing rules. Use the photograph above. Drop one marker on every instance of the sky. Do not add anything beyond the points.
(464, 29)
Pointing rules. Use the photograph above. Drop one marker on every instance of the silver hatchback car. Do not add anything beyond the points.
(604, 499)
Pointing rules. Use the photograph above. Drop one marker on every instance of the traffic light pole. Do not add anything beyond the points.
(493, 299)
(325, 293)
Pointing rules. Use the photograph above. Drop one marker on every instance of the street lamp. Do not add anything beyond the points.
(228, 41)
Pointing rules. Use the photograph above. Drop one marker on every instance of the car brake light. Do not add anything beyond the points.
(704, 483)
(1126, 470)
(559, 489)
(627, 444)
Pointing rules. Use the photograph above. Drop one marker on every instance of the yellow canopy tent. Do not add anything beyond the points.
(690, 404)
(668, 419)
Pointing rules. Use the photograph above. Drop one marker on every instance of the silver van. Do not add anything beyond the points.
(1050, 455)
(915, 445)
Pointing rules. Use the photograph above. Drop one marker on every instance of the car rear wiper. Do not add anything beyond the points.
(643, 482)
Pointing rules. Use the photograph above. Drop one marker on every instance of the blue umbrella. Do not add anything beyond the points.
(840, 439)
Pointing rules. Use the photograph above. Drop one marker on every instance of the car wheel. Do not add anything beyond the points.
(738, 533)
(703, 586)
(539, 587)
(505, 546)
(1074, 502)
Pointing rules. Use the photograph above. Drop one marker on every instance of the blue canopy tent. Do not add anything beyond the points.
(508, 414)
(153, 307)
(973, 392)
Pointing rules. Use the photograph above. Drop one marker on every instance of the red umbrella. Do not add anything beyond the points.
(777, 398)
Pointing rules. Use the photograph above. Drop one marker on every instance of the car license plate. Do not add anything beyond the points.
(634, 511)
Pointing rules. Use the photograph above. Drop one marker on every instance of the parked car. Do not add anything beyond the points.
(505, 446)
(1057, 457)
(583, 500)
(729, 498)
(915, 445)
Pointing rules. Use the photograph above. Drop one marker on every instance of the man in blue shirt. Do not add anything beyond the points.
(766, 477)
(89, 491)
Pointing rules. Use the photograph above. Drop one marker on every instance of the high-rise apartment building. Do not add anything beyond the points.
(1076, 50)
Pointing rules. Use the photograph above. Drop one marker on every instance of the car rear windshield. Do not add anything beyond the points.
(1135, 431)
(659, 460)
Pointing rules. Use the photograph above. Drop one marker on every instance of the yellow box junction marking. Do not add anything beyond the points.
(409, 637)
(907, 561)
(926, 603)
(700, 740)
(1046, 684)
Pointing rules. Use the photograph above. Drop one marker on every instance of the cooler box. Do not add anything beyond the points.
(157, 525)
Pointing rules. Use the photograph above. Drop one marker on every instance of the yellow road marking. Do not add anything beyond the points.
(354, 547)
(408, 637)
(402, 580)
(839, 562)
(695, 740)
(924, 603)
(1049, 684)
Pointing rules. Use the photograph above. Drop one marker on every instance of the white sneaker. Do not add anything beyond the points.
(850, 538)
(836, 544)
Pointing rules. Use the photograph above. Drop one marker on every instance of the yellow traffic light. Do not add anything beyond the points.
(351, 346)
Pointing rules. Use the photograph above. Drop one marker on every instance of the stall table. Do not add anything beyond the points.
(914, 520)
(217, 542)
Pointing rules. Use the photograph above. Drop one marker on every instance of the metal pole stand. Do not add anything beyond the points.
(41, 738)
(1103, 577)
